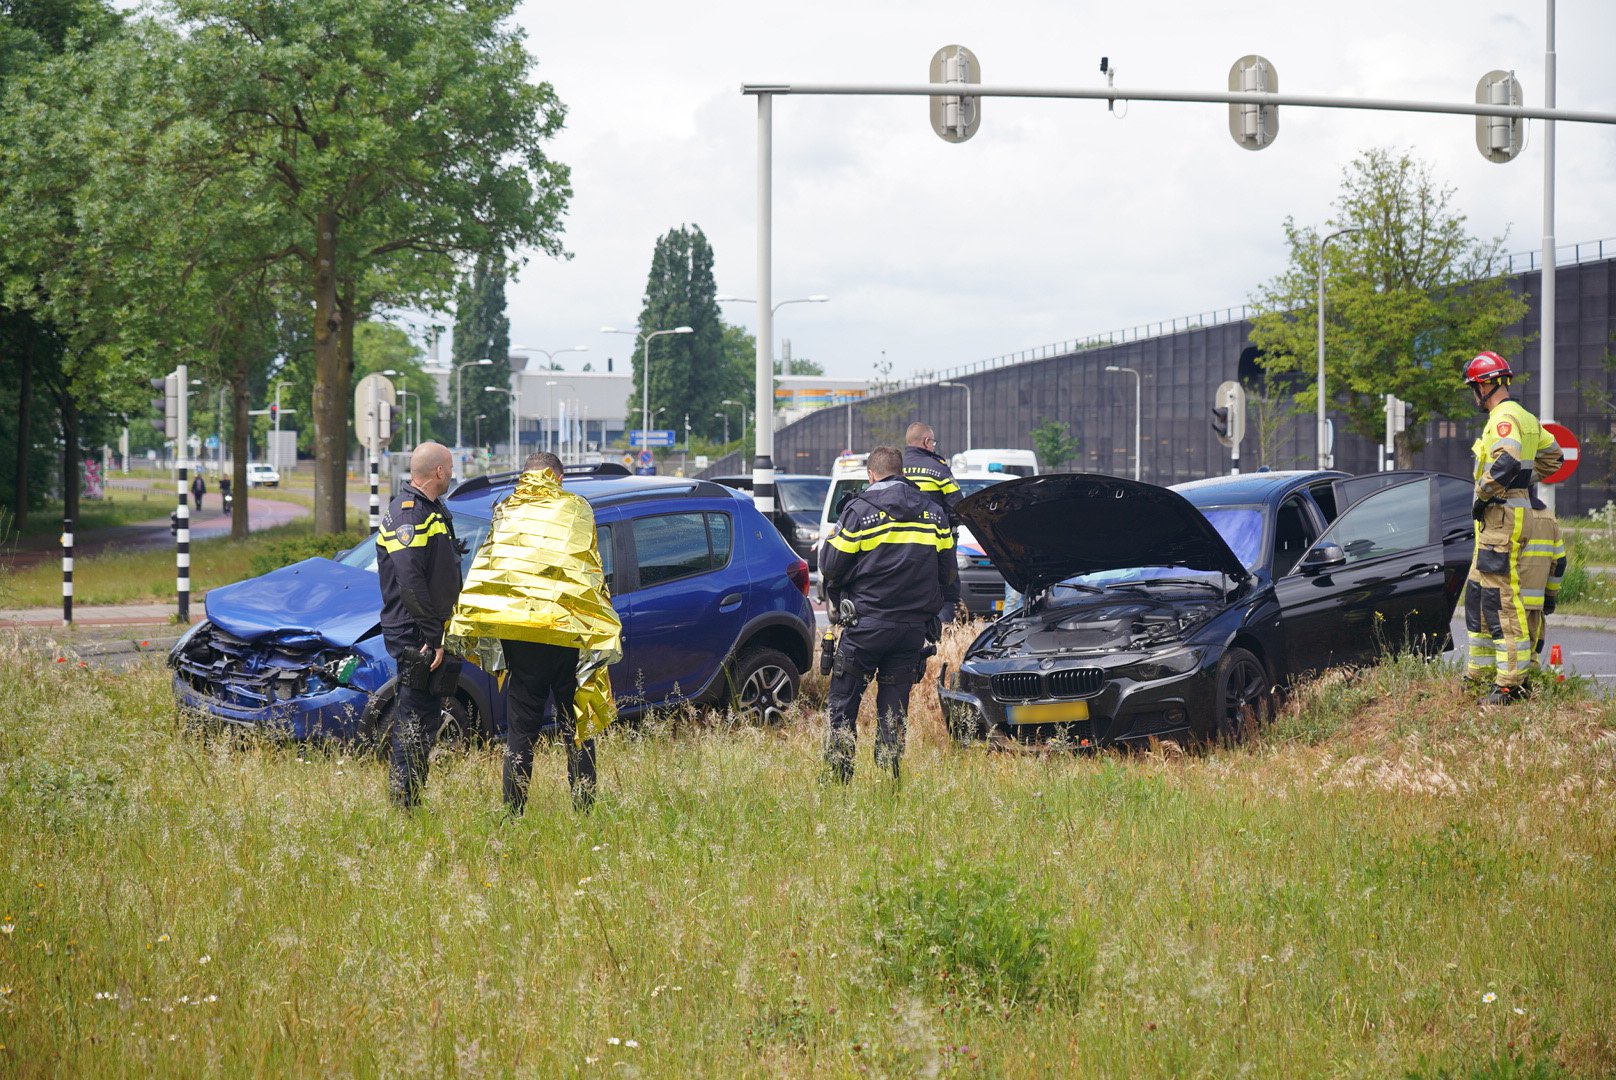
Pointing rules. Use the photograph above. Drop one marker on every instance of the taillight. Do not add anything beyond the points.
(798, 573)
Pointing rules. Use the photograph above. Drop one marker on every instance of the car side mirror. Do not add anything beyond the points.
(1322, 558)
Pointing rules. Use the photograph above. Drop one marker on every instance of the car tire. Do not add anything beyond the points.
(763, 684)
(1244, 695)
(457, 724)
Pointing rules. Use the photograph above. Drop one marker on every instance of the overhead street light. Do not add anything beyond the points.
(459, 371)
(742, 406)
(817, 298)
(548, 354)
(967, 389)
(1138, 397)
(645, 369)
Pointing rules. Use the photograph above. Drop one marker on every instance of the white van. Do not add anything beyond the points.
(1012, 462)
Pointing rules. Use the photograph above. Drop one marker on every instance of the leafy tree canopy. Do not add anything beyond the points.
(1411, 296)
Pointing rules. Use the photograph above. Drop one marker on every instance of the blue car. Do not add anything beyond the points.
(714, 605)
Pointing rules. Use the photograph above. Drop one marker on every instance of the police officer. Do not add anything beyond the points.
(924, 467)
(885, 567)
(418, 562)
(1519, 558)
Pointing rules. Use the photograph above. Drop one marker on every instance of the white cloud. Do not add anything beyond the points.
(1056, 220)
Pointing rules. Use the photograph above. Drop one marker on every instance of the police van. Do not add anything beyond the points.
(1007, 461)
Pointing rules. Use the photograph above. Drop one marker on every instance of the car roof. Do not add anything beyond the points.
(479, 494)
(731, 481)
(1251, 487)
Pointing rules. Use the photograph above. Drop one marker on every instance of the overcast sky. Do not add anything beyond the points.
(1057, 220)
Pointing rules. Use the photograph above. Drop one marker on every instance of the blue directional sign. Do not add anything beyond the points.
(651, 438)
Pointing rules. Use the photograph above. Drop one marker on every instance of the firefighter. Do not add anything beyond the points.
(418, 564)
(885, 566)
(924, 467)
(1519, 558)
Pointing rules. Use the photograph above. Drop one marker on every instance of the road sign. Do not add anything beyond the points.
(212, 443)
(663, 437)
(645, 457)
(1569, 446)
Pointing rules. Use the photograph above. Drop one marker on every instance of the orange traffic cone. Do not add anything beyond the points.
(1555, 662)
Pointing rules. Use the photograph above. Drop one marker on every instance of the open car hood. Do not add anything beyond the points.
(1040, 530)
(314, 600)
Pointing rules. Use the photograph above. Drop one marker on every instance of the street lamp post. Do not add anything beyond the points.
(1138, 400)
(1323, 452)
(645, 370)
(459, 371)
(724, 416)
(967, 389)
(742, 406)
(516, 410)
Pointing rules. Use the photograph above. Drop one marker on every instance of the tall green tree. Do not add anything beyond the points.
(689, 373)
(1054, 446)
(1411, 296)
(404, 138)
(482, 330)
(32, 350)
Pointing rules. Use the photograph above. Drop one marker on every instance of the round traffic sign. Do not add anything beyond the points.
(645, 457)
(1569, 447)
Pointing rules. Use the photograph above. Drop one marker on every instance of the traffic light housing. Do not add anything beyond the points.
(167, 407)
(1220, 426)
(274, 413)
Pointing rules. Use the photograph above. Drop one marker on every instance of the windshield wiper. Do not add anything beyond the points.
(1142, 582)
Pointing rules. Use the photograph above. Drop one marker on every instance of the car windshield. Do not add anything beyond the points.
(970, 485)
(802, 496)
(468, 530)
(1240, 526)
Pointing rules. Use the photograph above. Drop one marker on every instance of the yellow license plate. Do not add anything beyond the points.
(998, 605)
(1049, 712)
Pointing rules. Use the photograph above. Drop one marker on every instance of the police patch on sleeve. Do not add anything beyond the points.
(405, 534)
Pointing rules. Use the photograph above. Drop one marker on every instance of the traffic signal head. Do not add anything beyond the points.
(166, 409)
(1220, 426)
(274, 412)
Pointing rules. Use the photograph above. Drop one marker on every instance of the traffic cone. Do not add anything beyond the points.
(1554, 663)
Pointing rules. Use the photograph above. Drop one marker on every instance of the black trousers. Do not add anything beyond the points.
(417, 715)
(538, 673)
(893, 655)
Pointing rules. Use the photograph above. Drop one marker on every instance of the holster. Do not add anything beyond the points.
(415, 671)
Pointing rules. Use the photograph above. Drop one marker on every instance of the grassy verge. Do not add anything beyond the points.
(132, 576)
(1387, 883)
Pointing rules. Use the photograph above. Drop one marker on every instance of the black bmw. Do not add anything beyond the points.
(1152, 612)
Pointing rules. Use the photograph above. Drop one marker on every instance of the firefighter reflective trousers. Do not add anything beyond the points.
(1518, 549)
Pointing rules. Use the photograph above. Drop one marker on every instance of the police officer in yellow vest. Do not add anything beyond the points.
(1519, 557)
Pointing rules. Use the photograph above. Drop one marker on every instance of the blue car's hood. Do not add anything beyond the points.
(316, 599)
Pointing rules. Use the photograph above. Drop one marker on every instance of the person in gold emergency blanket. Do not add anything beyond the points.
(535, 604)
(1519, 558)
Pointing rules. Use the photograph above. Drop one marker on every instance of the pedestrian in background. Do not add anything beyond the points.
(886, 565)
(199, 488)
(535, 603)
(1519, 559)
(418, 565)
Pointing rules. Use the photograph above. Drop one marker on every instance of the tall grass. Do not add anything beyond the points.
(1403, 886)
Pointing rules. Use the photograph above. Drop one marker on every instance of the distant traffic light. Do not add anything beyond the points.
(274, 415)
(165, 409)
(1220, 426)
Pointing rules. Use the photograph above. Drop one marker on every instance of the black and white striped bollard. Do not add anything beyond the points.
(375, 496)
(67, 571)
(182, 547)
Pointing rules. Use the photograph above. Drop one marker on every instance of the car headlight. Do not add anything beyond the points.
(1163, 666)
(806, 535)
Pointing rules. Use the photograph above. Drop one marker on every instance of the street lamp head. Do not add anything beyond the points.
(484, 362)
(727, 299)
(961, 385)
(818, 298)
(683, 330)
(1112, 367)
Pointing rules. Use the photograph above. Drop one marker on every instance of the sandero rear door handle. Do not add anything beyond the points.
(730, 602)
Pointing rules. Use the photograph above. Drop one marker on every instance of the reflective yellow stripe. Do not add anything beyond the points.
(432, 526)
(893, 532)
(929, 482)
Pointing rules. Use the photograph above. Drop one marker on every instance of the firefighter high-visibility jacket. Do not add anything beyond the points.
(418, 563)
(931, 474)
(1513, 453)
(891, 552)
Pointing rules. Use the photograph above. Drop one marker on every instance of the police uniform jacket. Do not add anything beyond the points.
(931, 474)
(891, 552)
(1513, 453)
(418, 562)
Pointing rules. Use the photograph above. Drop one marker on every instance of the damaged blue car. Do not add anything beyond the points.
(713, 602)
